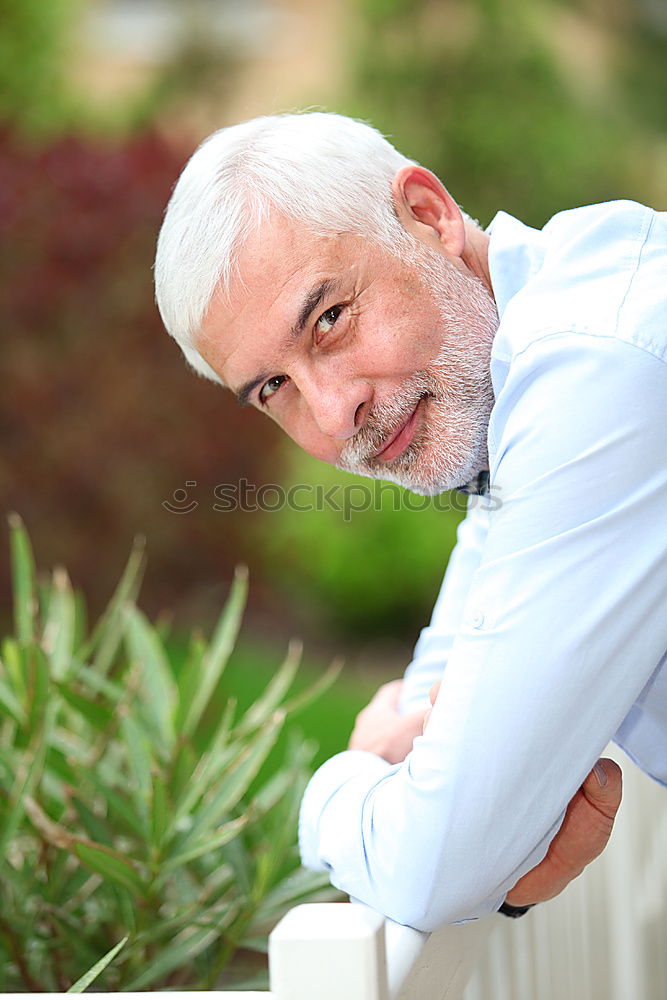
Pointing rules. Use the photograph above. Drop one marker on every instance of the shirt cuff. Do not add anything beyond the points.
(321, 789)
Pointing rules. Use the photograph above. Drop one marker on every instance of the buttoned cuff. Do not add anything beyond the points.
(327, 781)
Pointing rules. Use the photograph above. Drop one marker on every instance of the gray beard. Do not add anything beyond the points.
(450, 446)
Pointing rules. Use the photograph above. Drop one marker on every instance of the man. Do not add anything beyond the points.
(337, 286)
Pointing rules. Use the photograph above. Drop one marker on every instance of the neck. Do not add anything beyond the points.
(476, 253)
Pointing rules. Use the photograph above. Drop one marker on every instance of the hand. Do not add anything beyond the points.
(582, 837)
(381, 729)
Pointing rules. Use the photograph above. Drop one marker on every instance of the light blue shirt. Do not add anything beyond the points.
(550, 632)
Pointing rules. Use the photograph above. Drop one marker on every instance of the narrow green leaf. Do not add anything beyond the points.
(188, 678)
(126, 906)
(182, 772)
(298, 887)
(22, 787)
(100, 685)
(181, 951)
(110, 866)
(28, 774)
(316, 689)
(218, 652)
(279, 828)
(13, 663)
(96, 715)
(204, 780)
(95, 827)
(166, 929)
(58, 765)
(7, 769)
(211, 764)
(80, 622)
(9, 703)
(23, 580)
(67, 888)
(108, 633)
(58, 632)
(75, 747)
(138, 751)
(119, 810)
(159, 812)
(157, 679)
(237, 779)
(272, 791)
(38, 684)
(275, 691)
(89, 977)
(214, 843)
(241, 861)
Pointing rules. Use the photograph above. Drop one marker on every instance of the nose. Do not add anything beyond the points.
(337, 405)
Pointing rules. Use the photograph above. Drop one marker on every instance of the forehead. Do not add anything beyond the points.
(277, 267)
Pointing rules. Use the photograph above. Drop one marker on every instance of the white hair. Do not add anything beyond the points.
(331, 173)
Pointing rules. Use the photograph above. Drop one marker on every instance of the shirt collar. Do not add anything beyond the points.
(516, 254)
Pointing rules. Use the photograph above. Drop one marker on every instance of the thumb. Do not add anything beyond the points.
(603, 787)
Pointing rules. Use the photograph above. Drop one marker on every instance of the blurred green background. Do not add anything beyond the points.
(530, 106)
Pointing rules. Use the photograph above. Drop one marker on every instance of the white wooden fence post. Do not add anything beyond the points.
(345, 951)
(328, 951)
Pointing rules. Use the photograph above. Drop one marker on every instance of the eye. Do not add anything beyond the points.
(271, 387)
(328, 320)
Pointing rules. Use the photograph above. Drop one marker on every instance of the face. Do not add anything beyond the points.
(376, 364)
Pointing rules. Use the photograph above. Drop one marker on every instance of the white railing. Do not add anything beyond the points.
(604, 938)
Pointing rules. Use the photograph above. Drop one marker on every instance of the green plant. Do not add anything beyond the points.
(125, 806)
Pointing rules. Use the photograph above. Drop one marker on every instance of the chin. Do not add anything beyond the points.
(437, 467)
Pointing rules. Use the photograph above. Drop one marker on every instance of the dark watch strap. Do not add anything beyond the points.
(513, 911)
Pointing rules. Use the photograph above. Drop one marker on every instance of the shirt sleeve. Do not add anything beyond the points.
(564, 623)
(435, 641)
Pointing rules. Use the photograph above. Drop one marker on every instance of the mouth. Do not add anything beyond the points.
(399, 440)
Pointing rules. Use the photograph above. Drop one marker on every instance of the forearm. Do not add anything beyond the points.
(435, 642)
(414, 855)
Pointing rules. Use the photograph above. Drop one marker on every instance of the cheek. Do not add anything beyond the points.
(320, 447)
(304, 432)
(404, 336)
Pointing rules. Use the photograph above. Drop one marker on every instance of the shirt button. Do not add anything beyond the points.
(477, 619)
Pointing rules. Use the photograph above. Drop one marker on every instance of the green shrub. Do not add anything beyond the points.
(125, 802)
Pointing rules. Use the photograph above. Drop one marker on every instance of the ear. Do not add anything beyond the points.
(427, 210)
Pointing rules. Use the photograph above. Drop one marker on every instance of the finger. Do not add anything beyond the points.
(433, 693)
(427, 716)
(603, 787)
(388, 694)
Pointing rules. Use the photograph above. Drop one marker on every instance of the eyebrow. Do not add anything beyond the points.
(310, 303)
(314, 297)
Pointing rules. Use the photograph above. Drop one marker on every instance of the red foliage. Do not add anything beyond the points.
(100, 421)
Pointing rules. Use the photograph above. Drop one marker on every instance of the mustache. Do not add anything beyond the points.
(383, 421)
